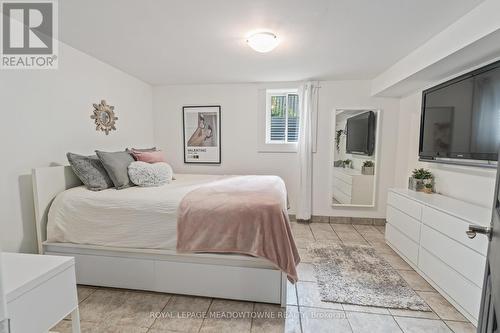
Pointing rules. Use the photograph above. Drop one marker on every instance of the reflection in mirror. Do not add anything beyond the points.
(104, 118)
(355, 164)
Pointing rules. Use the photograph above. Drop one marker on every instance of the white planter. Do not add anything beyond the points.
(418, 184)
(368, 170)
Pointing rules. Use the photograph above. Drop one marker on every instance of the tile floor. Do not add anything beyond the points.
(105, 310)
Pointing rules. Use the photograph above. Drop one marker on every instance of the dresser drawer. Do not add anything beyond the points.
(342, 176)
(465, 261)
(410, 207)
(341, 196)
(405, 223)
(401, 242)
(343, 187)
(458, 288)
(454, 228)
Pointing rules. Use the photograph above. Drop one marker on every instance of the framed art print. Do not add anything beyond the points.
(201, 131)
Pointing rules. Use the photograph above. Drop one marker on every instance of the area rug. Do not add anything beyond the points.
(357, 275)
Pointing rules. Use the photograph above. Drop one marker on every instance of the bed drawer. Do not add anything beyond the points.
(407, 206)
(218, 281)
(110, 271)
(402, 243)
(458, 288)
(454, 228)
(405, 223)
(467, 262)
(181, 277)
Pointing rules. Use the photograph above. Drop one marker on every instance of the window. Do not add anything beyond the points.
(282, 116)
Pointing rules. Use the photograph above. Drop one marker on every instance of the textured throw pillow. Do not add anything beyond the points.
(90, 171)
(149, 156)
(116, 164)
(150, 174)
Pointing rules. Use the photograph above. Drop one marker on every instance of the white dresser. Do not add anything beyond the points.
(350, 186)
(40, 291)
(428, 231)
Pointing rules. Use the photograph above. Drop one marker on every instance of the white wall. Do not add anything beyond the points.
(469, 41)
(46, 113)
(472, 184)
(240, 107)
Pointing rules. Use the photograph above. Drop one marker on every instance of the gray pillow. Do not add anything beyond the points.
(116, 164)
(90, 171)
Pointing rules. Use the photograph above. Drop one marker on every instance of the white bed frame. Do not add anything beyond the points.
(210, 275)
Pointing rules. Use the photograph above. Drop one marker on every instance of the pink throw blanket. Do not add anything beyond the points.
(241, 214)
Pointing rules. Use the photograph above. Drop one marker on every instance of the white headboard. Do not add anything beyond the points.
(47, 183)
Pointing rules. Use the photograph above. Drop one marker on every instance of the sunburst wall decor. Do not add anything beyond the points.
(104, 117)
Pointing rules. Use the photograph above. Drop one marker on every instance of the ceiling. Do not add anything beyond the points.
(203, 41)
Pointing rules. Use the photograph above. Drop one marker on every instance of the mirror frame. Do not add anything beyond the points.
(109, 110)
(333, 122)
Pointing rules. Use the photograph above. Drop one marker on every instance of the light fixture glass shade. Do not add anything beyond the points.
(263, 41)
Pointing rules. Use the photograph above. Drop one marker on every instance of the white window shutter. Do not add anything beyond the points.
(284, 118)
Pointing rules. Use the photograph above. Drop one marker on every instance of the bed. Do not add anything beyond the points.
(136, 217)
(135, 245)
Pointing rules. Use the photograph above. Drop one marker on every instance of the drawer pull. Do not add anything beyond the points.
(477, 229)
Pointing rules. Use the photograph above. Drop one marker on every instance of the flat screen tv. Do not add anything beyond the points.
(361, 134)
(461, 118)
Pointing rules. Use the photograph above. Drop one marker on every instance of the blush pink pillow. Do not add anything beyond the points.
(149, 156)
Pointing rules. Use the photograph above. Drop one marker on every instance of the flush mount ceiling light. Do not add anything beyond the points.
(263, 41)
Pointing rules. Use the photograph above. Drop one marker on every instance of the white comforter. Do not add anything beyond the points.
(137, 217)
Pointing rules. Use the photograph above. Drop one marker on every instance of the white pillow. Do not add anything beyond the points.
(150, 174)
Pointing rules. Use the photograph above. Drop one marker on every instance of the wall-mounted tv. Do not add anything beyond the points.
(361, 134)
(461, 118)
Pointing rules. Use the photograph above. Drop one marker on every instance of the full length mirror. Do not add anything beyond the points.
(354, 167)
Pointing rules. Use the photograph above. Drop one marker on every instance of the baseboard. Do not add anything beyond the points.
(344, 220)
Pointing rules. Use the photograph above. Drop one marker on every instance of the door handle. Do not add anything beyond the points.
(478, 229)
(5, 325)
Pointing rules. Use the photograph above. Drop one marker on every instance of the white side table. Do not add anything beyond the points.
(40, 291)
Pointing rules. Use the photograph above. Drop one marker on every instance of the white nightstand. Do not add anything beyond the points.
(40, 291)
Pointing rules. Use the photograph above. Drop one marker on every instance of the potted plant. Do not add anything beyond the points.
(338, 137)
(368, 168)
(347, 163)
(428, 188)
(418, 180)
